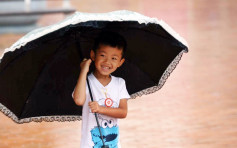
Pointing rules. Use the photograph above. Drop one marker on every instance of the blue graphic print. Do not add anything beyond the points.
(109, 132)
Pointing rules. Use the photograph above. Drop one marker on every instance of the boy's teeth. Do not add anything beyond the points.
(105, 67)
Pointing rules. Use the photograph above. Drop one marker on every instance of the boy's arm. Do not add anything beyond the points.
(120, 112)
(79, 94)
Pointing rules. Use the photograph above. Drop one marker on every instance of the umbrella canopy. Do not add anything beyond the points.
(39, 72)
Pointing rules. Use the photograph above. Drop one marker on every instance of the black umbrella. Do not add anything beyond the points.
(39, 72)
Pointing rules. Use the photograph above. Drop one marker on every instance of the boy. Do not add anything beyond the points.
(109, 92)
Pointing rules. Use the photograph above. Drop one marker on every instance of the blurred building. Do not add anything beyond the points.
(21, 16)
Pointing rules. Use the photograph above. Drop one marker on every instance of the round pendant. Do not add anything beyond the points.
(108, 102)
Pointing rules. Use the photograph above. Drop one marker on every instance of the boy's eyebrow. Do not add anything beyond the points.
(112, 55)
(115, 55)
(101, 52)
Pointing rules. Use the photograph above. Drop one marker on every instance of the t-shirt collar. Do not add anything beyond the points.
(93, 77)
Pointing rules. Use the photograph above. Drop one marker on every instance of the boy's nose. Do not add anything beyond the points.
(107, 60)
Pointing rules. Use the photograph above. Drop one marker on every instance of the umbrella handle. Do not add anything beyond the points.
(98, 125)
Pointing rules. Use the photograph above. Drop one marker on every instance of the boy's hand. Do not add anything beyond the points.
(85, 64)
(94, 106)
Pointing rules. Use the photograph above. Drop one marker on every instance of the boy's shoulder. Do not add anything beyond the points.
(118, 79)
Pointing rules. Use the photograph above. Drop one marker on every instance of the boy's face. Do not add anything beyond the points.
(107, 59)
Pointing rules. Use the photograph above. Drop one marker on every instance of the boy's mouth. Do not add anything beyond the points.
(105, 67)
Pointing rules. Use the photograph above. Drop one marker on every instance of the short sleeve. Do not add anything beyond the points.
(123, 93)
(87, 90)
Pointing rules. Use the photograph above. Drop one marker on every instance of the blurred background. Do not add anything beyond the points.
(197, 106)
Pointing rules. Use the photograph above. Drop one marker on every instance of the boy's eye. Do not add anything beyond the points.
(102, 55)
(114, 58)
(104, 124)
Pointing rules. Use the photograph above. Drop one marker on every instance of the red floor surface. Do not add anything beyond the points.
(197, 106)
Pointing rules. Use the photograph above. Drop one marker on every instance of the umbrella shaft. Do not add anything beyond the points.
(98, 125)
(101, 136)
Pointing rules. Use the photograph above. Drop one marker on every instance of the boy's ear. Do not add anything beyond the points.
(92, 55)
(121, 62)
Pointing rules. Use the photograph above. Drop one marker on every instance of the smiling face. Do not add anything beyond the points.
(107, 59)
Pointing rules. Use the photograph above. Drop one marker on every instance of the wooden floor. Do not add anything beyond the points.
(196, 108)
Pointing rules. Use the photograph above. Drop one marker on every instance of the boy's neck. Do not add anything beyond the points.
(104, 79)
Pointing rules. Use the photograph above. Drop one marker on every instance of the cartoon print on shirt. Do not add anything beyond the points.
(109, 132)
(109, 128)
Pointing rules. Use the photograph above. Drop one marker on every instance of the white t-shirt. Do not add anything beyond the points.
(109, 96)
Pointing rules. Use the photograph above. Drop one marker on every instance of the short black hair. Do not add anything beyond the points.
(112, 39)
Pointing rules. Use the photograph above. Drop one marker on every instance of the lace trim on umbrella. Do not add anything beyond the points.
(58, 118)
(78, 17)
(163, 79)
